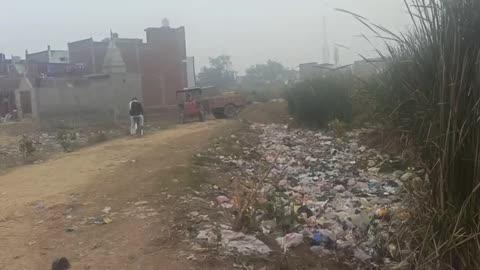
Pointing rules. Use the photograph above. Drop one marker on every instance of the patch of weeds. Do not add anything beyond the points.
(279, 207)
(66, 139)
(26, 147)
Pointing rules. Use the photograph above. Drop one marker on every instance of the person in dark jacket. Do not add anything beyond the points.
(136, 116)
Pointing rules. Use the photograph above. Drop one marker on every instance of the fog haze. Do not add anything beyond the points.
(250, 31)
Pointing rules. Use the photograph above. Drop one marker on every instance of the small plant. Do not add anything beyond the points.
(66, 139)
(26, 147)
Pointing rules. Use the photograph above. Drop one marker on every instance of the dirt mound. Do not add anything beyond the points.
(275, 111)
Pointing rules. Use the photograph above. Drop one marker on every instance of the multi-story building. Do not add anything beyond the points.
(160, 61)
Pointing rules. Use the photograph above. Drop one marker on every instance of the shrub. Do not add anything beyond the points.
(432, 86)
(26, 147)
(66, 139)
(317, 102)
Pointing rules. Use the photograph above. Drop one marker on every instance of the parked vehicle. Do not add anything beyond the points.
(198, 103)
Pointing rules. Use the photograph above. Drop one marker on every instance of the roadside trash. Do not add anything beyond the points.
(71, 229)
(140, 203)
(241, 244)
(290, 240)
(102, 220)
(107, 220)
(338, 194)
(222, 199)
(324, 238)
(305, 210)
(382, 213)
(268, 226)
(207, 237)
(407, 176)
(107, 210)
(361, 255)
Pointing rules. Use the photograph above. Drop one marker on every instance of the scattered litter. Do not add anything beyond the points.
(71, 229)
(268, 226)
(407, 176)
(324, 238)
(290, 240)
(222, 199)
(238, 243)
(207, 237)
(305, 210)
(140, 203)
(345, 195)
(102, 220)
(107, 209)
(361, 255)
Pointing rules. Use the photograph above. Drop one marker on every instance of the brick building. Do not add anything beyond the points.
(161, 61)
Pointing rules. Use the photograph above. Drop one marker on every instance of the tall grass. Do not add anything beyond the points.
(433, 88)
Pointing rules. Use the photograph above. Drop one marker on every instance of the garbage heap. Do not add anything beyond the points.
(333, 194)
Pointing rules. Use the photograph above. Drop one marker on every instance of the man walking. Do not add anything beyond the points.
(136, 116)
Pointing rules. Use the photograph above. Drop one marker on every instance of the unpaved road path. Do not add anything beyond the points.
(47, 210)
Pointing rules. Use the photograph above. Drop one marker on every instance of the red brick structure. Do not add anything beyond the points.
(164, 68)
(160, 61)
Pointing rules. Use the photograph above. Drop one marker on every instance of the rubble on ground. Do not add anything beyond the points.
(344, 196)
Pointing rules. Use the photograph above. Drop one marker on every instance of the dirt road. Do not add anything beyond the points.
(53, 209)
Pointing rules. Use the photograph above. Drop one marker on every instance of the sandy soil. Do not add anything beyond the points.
(48, 210)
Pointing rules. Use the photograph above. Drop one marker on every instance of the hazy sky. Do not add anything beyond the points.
(251, 31)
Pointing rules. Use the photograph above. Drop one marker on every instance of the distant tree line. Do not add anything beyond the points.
(220, 73)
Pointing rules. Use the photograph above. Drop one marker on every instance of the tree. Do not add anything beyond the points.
(270, 75)
(219, 73)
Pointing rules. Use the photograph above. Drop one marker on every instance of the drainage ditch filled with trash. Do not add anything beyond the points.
(302, 187)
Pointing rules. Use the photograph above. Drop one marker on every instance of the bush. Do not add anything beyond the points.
(432, 87)
(26, 147)
(66, 139)
(317, 102)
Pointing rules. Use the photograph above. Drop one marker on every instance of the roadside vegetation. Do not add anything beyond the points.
(425, 105)
(432, 86)
(320, 101)
(426, 100)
